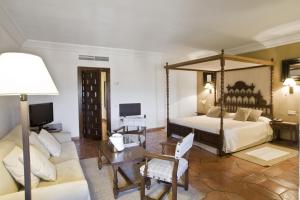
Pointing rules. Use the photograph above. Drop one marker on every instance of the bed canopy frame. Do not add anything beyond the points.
(223, 63)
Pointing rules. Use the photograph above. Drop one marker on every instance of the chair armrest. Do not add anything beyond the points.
(119, 129)
(159, 156)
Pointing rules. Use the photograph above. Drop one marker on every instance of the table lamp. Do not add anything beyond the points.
(290, 82)
(21, 75)
(209, 86)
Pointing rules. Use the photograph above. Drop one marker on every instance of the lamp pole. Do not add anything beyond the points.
(25, 139)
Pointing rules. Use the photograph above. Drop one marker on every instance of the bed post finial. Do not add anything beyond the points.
(222, 51)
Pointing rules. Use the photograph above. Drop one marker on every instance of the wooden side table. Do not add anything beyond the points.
(292, 127)
(116, 160)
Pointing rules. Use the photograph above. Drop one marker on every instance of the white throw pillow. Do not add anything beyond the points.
(50, 143)
(16, 167)
(40, 165)
(35, 141)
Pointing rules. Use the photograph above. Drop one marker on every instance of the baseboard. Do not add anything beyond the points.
(155, 129)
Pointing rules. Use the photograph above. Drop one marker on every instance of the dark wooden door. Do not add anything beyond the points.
(91, 104)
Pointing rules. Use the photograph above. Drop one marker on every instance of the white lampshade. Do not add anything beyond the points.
(289, 82)
(208, 86)
(22, 73)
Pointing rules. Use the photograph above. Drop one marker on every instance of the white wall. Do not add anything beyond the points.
(9, 106)
(183, 93)
(135, 77)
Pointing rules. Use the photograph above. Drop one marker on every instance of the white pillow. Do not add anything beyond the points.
(264, 119)
(50, 143)
(229, 115)
(40, 165)
(16, 167)
(34, 140)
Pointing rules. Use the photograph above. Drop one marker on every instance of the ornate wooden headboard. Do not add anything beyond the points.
(243, 95)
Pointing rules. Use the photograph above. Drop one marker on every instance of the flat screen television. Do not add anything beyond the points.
(130, 109)
(40, 114)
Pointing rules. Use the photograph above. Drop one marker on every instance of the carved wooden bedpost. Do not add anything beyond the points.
(271, 87)
(222, 63)
(215, 88)
(168, 100)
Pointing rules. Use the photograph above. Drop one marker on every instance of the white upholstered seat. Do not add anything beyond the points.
(163, 169)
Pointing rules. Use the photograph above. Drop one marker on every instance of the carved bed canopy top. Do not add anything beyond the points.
(243, 95)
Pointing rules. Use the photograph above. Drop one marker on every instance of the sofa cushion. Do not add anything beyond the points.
(40, 165)
(68, 152)
(67, 171)
(15, 135)
(254, 115)
(62, 137)
(77, 190)
(50, 143)
(16, 167)
(7, 183)
(35, 141)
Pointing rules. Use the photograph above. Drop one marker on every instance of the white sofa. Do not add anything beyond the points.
(70, 184)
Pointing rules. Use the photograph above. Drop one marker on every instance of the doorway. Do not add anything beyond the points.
(94, 102)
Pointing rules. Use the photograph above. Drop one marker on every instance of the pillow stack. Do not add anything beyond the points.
(41, 146)
(247, 114)
(16, 167)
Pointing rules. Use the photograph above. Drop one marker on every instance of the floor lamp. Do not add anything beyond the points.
(25, 74)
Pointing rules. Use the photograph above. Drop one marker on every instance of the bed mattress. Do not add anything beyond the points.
(237, 134)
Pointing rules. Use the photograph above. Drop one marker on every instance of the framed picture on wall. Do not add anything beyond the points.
(290, 69)
(209, 77)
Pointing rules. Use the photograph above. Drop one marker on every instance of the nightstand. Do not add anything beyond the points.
(292, 127)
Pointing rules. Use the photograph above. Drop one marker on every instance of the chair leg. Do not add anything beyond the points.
(142, 188)
(148, 183)
(174, 190)
(186, 179)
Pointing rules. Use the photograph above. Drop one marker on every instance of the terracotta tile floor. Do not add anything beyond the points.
(227, 178)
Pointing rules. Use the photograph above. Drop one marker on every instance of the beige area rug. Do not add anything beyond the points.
(101, 185)
(266, 154)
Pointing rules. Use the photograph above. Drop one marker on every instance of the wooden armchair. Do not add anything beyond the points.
(166, 168)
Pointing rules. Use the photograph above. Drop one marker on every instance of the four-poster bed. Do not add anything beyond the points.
(228, 100)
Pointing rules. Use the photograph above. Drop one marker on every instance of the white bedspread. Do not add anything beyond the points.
(237, 134)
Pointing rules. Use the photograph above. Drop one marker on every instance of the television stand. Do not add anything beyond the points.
(51, 128)
(137, 120)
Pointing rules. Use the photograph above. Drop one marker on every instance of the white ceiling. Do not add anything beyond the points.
(155, 25)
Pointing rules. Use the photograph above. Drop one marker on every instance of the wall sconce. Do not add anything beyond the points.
(209, 86)
(291, 83)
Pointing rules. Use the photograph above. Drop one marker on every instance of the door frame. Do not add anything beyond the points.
(108, 108)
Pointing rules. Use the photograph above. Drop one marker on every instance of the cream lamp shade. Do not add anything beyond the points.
(289, 82)
(208, 86)
(22, 73)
